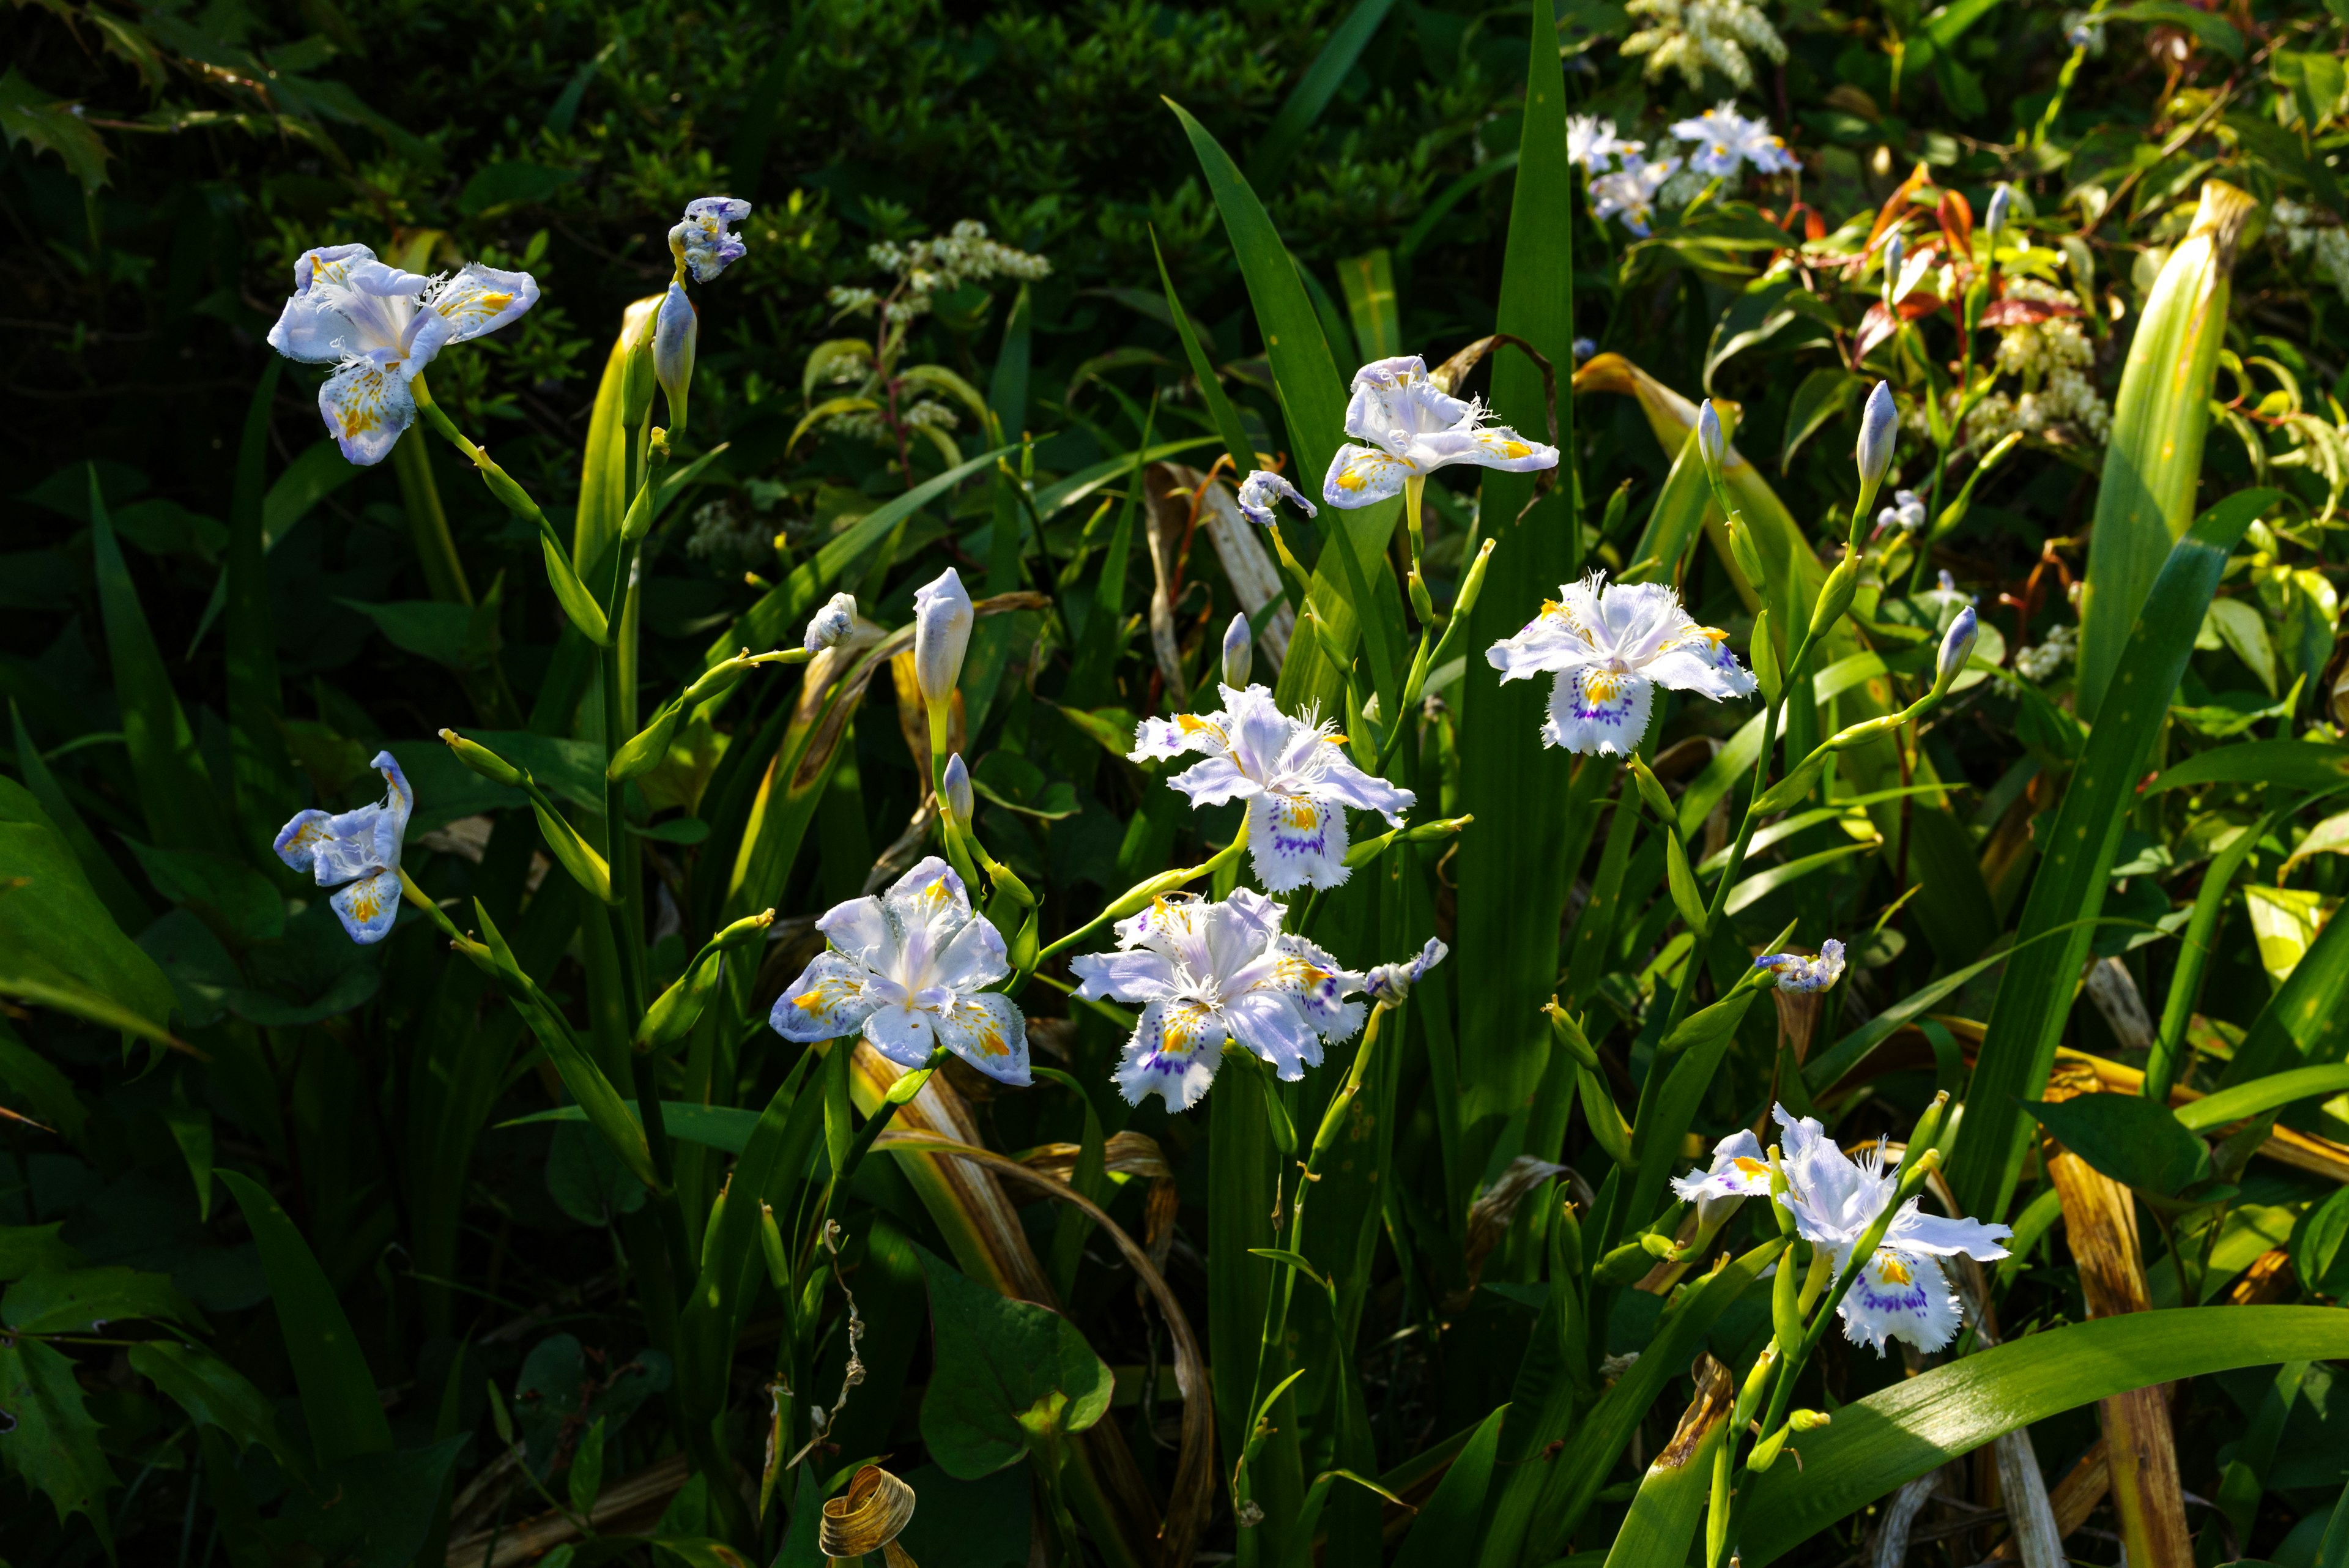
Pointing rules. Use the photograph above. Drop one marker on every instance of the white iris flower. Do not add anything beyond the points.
(1208, 973)
(1416, 427)
(905, 968)
(1630, 192)
(1591, 142)
(380, 327)
(1740, 1169)
(356, 852)
(1901, 1293)
(1610, 646)
(1726, 140)
(1294, 774)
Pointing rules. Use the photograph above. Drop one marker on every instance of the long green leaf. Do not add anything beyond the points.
(2307, 1019)
(1313, 92)
(2153, 459)
(1313, 401)
(1453, 1516)
(2257, 1097)
(1670, 1502)
(183, 811)
(1220, 406)
(257, 704)
(2034, 993)
(1513, 883)
(1916, 1426)
(338, 1394)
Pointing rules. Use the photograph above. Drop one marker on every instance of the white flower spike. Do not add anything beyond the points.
(1413, 427)
(356, 852)
(1610, 646)
(1262, 490)
(1629, 192)
(1391, 983)
(1727, 140)
(829, 624)
(905, 969)
(1294, 774)
(1901, 1292)
(703, 243)
(1211, 973)
(1798, 973)
(380, 327)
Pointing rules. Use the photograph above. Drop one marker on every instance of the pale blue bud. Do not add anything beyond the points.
(1879, 426)
(1238, 653)
(955, 786)
(1957, 649)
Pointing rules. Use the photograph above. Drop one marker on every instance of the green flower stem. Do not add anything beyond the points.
(1142, 893)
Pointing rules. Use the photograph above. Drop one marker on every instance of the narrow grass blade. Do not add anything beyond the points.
(2034, 994)
(1368, 283)
(338, 1394)
(1919, 1424)
(1454, 1514)
(1203, 371)
(1313, 92)
(176, 794)
(2307, 1019)
(1313, 401)
(2154, 458)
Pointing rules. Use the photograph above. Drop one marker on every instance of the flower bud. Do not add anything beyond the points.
(1836, 593)
(829, 624)
(637, 381)
(1422, 603)
(1956, 647)
(1473, 585)
(1238, 653)
(1896, 252)
(1748, 556)
(1651, 790)
(1710, 443)
(485, 762)
(1880, 428)
(1570, 1036)
(674, 336)
(954, 790)
(942, 621)
(1994, 220)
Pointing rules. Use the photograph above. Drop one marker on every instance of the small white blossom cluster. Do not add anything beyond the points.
(725, 538)
(1625, 184)
(2304, 230)
(1687, 35)
(2040, 662)
(927, 267)
(2053, 358)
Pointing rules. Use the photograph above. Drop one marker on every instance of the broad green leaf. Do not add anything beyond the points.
(2135, 1142)
(338, 1393)
(2034, 993)
(74, 1301)
(29, 1249)
(56, 938)
(51, 1444)
(1003, 1369)
(130, 910)
(1919, 1424)
(232, 896)
(1513, 883)
(373, 1511)
(53, 125)
(2153, 459)
(2213, 30)
(1671, 1502)
(2284, 924)
(216, 1394)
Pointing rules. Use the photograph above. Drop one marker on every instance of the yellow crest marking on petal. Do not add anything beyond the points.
(1601, 685)
(1891, 1270)
(1750, 1166)
(1301, 813)
(365, 904)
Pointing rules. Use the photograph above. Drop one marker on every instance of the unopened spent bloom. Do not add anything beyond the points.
(1294, 774)
(357, 853)
(829, 624)
(1798, 973)
(1262, 490)
(703, 243)
(1608, 646)
(1900, 1292)
(380, 327)
(1211, 973)
(943, 616)
(1391, 983)
(1416, 427)
(905, 969)
(1238, 653)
